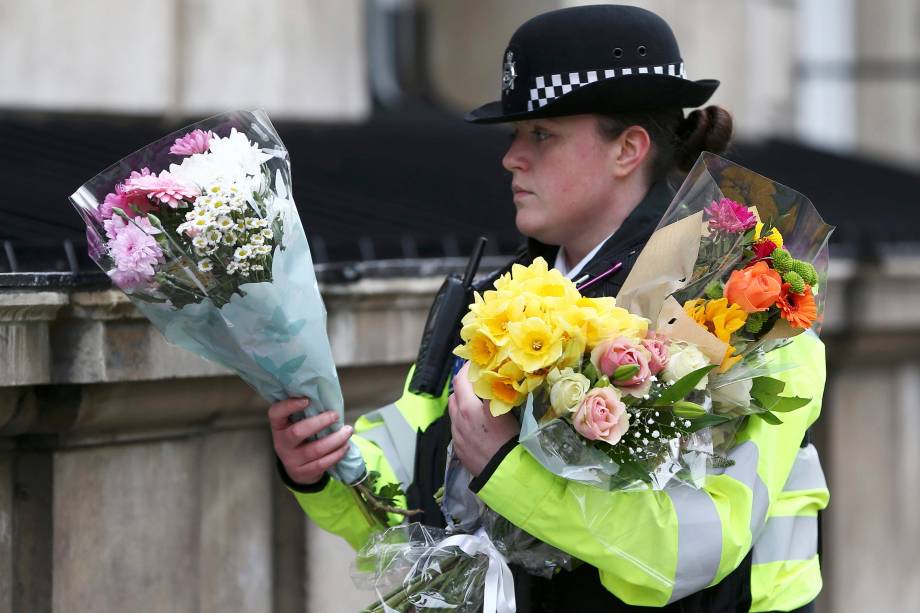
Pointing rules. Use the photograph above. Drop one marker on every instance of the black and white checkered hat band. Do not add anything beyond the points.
(550, 87)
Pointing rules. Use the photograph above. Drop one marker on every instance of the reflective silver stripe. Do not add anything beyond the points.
(396, 438)
(699, 540)
(746, 456)
(699, 530)
(807, 473)
(787, 538)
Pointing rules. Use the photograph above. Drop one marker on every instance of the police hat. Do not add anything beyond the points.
(592, 59)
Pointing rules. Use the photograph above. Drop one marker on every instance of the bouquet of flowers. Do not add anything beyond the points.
(738, 264)
(200, 231)
(624, 393)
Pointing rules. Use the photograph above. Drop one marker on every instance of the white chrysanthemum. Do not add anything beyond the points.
(230, 238)
(213, 236)
(205, 265)
(257, 267)
(256, 239)
(224, 223)
(268, 234)
(200, 242)
(232, 267)
(232, 158)
(242, 253)
(202, 212)
(263, 250)
(252, 223)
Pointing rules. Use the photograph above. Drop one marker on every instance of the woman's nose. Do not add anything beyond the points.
(516, 157)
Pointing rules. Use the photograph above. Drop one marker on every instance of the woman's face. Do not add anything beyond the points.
(562, 176)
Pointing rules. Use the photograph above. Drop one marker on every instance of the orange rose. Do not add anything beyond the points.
(755, 288)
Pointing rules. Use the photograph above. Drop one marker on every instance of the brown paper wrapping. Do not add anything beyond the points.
(664, 266)
(679, 326)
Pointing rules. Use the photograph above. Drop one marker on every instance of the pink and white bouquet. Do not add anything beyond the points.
(200, 230)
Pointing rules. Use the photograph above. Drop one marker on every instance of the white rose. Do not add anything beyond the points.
(568, 389)
(684, 360)
(735, 395)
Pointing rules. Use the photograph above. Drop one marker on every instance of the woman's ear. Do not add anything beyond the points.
(633, 146)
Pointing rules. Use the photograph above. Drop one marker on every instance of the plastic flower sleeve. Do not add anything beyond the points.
(675, 461)
(414, 567)
(200, 231)
(670, 264)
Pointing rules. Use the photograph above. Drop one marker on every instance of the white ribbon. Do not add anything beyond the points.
(499, 589)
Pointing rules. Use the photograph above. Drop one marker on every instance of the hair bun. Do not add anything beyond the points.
(707, 129)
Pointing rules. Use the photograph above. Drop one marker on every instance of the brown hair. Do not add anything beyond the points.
(677, 141)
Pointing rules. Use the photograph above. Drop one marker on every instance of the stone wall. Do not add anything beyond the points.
(134, 476)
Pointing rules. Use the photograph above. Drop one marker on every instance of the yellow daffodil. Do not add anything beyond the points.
(478, 348)
(534, 344)
(499, 388)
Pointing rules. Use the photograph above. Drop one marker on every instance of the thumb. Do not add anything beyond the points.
(463, 388)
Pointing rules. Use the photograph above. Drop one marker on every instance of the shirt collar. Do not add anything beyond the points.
(562, 267)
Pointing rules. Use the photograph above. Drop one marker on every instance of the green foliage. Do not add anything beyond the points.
(755, 322)
(782, 260)
(714, 290)
(682, 387)
(806, 271)
(795, 281)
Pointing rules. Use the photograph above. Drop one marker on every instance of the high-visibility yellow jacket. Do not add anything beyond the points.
(650, 547)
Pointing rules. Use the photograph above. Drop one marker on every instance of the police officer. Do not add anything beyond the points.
(595, 96)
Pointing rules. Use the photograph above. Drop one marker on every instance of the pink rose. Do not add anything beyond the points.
(602, 416)
(610, 355)
(657, 347)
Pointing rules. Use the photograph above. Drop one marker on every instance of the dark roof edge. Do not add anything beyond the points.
(346, 272)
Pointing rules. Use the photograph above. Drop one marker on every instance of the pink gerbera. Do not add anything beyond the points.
(728, 216)
(165, 188)
(194, 142)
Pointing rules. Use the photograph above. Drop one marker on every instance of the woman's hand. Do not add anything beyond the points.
(304, 462)
(476, 434)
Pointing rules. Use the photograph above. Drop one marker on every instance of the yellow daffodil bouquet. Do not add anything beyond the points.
(592, 383)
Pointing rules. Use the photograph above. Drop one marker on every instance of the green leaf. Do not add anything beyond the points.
(785, 404)
(766, 386)
(770, 418)
(625, 371)
(590, 371)
(706, 421)
(683, 386)
(765, 391)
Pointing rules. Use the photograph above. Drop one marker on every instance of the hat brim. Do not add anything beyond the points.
(617, 95)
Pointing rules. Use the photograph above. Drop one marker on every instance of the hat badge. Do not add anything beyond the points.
(508, 72)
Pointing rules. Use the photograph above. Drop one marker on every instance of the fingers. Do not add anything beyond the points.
(464, 389)
(279, 412)
(315, 450)
(312, 472)
(311, 426)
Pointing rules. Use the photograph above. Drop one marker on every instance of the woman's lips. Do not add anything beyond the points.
(520, 192)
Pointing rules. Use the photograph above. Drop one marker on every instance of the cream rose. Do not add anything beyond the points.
(684, 360)
(567, 389)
